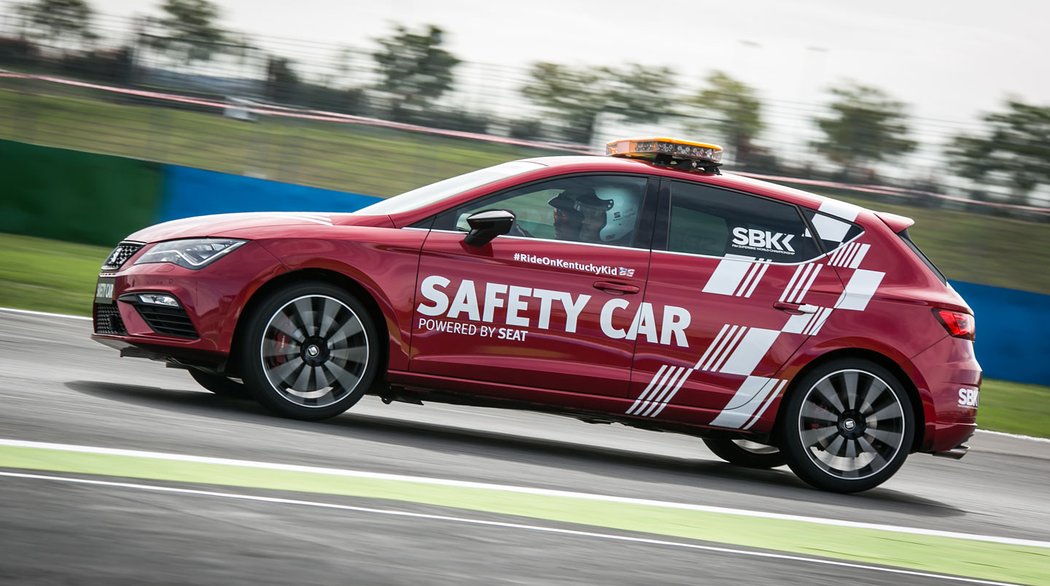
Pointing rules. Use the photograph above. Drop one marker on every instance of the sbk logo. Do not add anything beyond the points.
(969, 397)
(763, 239)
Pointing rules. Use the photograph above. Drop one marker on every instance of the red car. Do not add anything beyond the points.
(643, 288)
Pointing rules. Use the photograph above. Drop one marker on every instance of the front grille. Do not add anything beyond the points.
(168, 320)
(107, 320)
(120, 255)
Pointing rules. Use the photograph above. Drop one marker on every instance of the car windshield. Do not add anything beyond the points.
(428, 194)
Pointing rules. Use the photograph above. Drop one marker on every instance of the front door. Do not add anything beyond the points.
(549, 305)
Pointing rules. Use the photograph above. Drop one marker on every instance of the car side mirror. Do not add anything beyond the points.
(486, 225)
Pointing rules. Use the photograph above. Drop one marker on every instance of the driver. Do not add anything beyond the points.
(608, 215)
(568, 219)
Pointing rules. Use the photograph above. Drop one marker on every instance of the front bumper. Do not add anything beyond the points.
(201, 329)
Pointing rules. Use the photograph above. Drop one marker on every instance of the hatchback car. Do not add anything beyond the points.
(643, 288)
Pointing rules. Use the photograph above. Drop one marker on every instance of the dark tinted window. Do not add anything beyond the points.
(716, 222)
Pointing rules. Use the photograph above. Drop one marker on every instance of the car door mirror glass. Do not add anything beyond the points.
(486, 225)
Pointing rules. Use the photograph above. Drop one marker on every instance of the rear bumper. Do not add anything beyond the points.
(952, 381)
(955, 453)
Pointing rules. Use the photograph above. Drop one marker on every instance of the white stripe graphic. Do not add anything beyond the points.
(797, 324)
(769, 401)
(841, 253)
(727, 275)
(761, 273)
(751, 270)
(855, 262)
(808, 324)
(841, 209)
(676, 381)
(829, 228)
(748, 398)
(747, 355)
(847, 258)
(794, 278)
(714, 343)
(674, 373)
(726, 348)
(678, 386)
(859, 290)
(819, 319)
(644, 396)
(803, 287)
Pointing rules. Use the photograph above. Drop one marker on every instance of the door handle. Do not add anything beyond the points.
(616, 288)
(795, 308)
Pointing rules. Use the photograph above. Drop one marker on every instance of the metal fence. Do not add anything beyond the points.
(235, 112)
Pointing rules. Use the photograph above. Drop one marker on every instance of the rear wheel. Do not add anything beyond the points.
(220, 385)
(746, 453)
(310, 352)
(848, 426)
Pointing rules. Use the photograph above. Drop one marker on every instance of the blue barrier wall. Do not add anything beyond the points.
(1008, 346)
(1009, 343)
(195, 192)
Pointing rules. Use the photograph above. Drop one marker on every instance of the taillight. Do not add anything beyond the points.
(957, 323)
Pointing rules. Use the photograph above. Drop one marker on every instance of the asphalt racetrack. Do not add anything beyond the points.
(122, 471)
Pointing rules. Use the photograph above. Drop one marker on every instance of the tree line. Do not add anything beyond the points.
(861, 127)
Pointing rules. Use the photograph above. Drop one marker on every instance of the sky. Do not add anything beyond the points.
(950, 61)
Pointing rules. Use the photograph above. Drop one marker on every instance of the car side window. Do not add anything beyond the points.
(716, 222)
(599, 209)
(832, 231)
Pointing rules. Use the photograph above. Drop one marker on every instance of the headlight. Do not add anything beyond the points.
(191, 254)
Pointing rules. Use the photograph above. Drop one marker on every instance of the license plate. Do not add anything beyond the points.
(104, 290)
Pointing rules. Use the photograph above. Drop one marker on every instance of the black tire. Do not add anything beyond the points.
(311, 351)
(848, 426)
(746, 453)
(220, 385)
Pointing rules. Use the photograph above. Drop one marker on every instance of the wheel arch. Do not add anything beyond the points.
(330, 277)
(914, 395)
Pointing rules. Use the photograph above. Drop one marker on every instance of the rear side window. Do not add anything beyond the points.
(925, 260)
(716, 222)
(832, 231)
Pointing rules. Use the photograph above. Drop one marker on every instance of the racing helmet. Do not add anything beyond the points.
(621, 210)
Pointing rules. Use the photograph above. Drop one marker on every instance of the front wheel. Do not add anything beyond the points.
(848, 426)
(310, 352)
(746, 453)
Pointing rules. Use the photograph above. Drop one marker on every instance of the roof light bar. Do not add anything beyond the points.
(666, 151)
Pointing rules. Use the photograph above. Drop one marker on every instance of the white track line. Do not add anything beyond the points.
(539, 528)
(522, 490)
(1015, 436)
(42, 313)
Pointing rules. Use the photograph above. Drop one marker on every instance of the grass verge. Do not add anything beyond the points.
(47, 275)
(382, 162)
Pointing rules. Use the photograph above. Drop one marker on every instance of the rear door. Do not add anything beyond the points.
(539, 307)
(751, 279)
